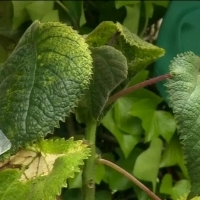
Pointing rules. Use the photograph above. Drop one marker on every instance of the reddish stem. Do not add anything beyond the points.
(130, 177)
(128, 90)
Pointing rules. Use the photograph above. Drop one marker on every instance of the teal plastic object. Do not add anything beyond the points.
(179, 32)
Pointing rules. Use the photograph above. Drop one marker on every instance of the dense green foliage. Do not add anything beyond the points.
(54, 72)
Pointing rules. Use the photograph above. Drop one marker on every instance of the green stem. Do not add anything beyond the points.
(88, 184)
(130, 177)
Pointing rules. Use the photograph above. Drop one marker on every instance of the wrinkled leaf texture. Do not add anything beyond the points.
(42, 81)
(184, 98)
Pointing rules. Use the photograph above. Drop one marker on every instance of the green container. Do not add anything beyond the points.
(179, 32)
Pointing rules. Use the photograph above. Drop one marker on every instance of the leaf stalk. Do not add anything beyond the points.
(133, 88)
(130, 177)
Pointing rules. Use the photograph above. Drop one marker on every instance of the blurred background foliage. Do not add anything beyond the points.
(139, 132)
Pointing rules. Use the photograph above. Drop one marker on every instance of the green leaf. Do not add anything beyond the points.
(75, 11)
(117, 181)
(126, 142)
(109, 70)
(181, 188)
(76, 181)
(100, 173)
(45, 168)
(42, 81)
(20, 14)
(173, 155)
(52, 16)
(147, 163)
(138, 52)
(132, 12)
(124, 121)
(184, 97)
(154, 122)
(36, 9)
(166, 184)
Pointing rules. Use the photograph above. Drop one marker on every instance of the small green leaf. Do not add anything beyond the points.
(181, 188)
(173, 155)
(126, 142)
(51, 16)
(76, 181)
(166, 184)
(101, 34)
(109, 70)
(20, 14)
(132, 12)
(100, 173)
(147, 163)
(145, 109)
(184, 98)
(42, 81)
(36, 9)
(138, 52)
(124, 121)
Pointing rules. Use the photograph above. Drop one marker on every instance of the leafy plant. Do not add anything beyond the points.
(53, 72)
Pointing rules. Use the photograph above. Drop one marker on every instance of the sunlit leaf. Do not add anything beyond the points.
(147, 163)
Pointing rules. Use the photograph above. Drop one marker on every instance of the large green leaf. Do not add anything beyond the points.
(138, 52)
(184, 98)
(42, 81)
(44, 169)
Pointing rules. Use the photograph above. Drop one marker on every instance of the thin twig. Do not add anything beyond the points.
(130, 177)
(113, 39)
(128, 90)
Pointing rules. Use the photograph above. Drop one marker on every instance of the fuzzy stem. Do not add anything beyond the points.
(130, 177)
(128, 90)
(88, 184)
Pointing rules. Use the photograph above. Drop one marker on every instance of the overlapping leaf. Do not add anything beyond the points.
(138, 52)
(110, 69)
(42, 81)
(184, 98)
(44, 169)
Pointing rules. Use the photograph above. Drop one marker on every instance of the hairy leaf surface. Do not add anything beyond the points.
(44, 169)
(184, 98)
(138, 52)
(42, 81)
(109, 70)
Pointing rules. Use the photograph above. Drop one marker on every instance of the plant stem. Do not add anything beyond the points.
(130, 177)
(113, 39)
(88, 184)
(128, 90)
